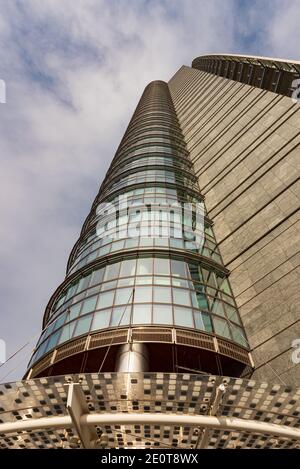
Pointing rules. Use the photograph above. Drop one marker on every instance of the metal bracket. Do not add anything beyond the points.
(77, 407)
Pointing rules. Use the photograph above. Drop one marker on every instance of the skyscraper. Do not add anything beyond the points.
(201, 193)
(141, 284)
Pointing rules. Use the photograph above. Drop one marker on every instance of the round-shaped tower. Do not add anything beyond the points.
(146, 288)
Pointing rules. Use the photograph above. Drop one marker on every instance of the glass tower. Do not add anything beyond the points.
(146, 288)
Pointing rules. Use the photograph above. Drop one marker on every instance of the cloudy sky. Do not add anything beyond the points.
(74, 71)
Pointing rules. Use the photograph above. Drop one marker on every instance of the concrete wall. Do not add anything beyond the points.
(245, 146)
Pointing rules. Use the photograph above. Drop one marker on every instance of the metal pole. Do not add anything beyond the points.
(203, 439)
(221, 423)
(132, 357)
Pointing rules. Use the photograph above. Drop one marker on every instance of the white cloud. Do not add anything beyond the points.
(74, 73)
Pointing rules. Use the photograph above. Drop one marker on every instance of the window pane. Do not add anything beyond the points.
(143, 280)
(121, 316)
(60, 301)
(183, 317)
(202, 301)
(128, 268)
(125, 282)
(83, 325)
(162, 314)
(143, 295)
(195, 272)
(53, 339)
(89, 304)
(71, 290)
(232, 313)
(180, 282)
(109, 285)
(162, 280)
(97, 276)
(221, 327)
(67, 332)
(105, 299)
(211, 279)
(238, 335)
(101, 319)
(111, 271)
(144, 266)
(203, 321)
(141, 314)
(59, 322)
(162, 295)
(124, 296)
(217, 308)
(207, 322)
(84, 282)
(224, 285)
(161, 266)
(181, 297)
(194, 299)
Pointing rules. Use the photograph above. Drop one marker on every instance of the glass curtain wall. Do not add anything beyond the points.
(147, 254)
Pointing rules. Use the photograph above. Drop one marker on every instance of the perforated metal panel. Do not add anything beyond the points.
(150, 392)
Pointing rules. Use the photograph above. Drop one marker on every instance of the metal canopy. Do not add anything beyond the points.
(148, 410)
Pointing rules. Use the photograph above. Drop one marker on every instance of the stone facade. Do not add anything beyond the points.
(245, 146)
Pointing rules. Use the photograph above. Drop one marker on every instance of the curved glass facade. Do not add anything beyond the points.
(147, 255)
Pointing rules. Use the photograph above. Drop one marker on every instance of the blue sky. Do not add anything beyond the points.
(74, 71)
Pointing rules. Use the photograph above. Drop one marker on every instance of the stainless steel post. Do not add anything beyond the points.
(132, 358)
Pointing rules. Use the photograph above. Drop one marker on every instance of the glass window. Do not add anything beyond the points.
(71, 290)
(60, 301)
(194, 299)
(238, 335)
(67, 332)
(143, 295)
(203, 321)
(183, 317)
(89, 304)
(125, 282)
(162, 295)
(144, 280)
(59, 322)
(92, 256)
(162, 280)
(111, 271)
(128, 268)
(207, 322)
(109, 285)
(120, 316)
(162, 314)
(224, 285)
(195, 272)
(211, 278)
(131, 243)
(161, 266)
(232, 313)
(84, 282)
(53, 340)
(105, 299)
(217, 307)
(221, 327)
(124, 296)
(101, 319)
(144, 266)
(97, 277)
(181, 297)
(202, 301)
(83, 325)
(141, 314)
(93, 290)
(180, 282)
